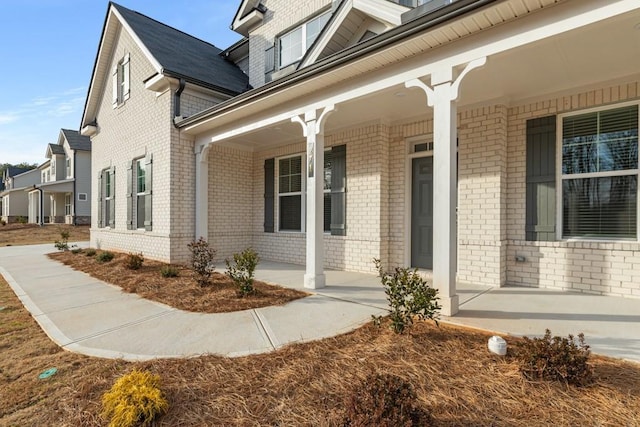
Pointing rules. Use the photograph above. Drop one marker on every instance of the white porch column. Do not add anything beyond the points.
(313, 130)
(442, 97)
(202, 193)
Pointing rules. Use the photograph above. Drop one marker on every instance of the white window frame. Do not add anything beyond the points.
(68, 166)
(303, 39)
(108, 196)
(139, 165)
(121, 76)
(560, 177)
(302, 193)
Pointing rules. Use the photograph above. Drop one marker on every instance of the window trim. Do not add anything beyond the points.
(560, 177)
(278, 64)
(140, 164)
(302, 192)
(68, 167)
(68, 204)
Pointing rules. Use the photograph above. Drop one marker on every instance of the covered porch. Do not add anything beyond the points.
(452, 101)
(609, 323)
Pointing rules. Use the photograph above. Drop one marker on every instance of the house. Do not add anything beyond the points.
(63, 194)
(13, 199)
(485, 141)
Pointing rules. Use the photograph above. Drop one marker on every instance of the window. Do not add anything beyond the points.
(67, 204)
(293, 45)
(291, 192)
(53, 167)
(68, 165)
(82, 197)
(48, 175)
(120, 81)
(106, 197)
(599, 177)
(139, 194)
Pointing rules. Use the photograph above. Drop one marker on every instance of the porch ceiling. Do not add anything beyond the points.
(601, 52)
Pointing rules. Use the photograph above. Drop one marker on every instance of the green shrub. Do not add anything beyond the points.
(555, 358)
(21, 220)
(76, 251)
(90, 252)
(135, 399)
(169, 271)
(105, 256)
(242, 269)
(202, 260)
(384, 401)
(63, 243)
(134, 261)
(409, 295)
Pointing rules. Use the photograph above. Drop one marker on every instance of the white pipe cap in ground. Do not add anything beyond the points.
(497, 345)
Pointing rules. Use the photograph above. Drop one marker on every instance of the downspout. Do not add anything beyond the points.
(176, 101)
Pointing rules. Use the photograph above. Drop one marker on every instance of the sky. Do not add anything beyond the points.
(47, 52)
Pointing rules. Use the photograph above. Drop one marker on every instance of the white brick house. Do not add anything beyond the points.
(485, 141)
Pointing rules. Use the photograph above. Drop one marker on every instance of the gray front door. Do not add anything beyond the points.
(422, 212)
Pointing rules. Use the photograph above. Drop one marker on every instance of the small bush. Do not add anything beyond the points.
(384, 401)
(3, 222)
(63, 243)
(555, 358)
(135, 399)
(202, 260)
(169, 271)
(409, 295)
(76, 251)
(105, 256)
(21, 220)
(242, 269)
(134, 261)
(90, 252)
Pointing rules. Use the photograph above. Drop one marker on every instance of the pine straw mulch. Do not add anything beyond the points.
(456, 379)
(31, 234)
(182, 292)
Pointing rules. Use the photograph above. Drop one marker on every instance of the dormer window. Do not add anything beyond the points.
(120, 81)
(293, 45)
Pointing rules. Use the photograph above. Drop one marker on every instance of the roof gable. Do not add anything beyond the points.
(171, 52)
(351, 23)
(75, 140)
(54, 150)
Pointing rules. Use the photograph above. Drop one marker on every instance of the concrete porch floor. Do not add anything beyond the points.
(611, 324)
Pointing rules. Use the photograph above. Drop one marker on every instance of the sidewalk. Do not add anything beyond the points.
(88, 316)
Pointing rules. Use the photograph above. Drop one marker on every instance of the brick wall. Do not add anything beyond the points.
(588, 266)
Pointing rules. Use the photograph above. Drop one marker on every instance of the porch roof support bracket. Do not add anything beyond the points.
(442, 96)
(202, 192)
(313, 130)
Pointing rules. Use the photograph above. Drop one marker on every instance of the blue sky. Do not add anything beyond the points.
(47, 51)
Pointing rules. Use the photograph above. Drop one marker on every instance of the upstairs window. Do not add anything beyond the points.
(120, 81)
(68, 166)
(293, 45)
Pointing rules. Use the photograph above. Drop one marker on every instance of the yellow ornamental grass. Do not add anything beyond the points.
(135, 399)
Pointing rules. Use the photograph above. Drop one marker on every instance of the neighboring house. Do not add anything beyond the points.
(14, 203)
(63, 195)
(485, 141)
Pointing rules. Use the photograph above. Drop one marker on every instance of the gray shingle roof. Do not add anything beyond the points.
(77, 141)
(182, 55)
(56, 149)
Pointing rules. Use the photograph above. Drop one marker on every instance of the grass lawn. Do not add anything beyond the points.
(32, 234)
(455, 378)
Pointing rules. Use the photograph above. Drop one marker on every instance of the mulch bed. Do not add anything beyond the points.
(182, 292)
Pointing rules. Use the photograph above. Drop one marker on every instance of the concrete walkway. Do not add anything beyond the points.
(88, 316)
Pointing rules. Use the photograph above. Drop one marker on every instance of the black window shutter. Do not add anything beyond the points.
(148, 174)
(541, 179)
(338, 190)
(130, 186)
(269, 194)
